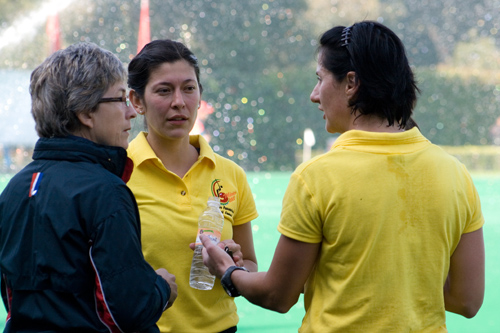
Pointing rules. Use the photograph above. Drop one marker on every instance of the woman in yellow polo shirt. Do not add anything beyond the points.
(174, 174)
(391, 236)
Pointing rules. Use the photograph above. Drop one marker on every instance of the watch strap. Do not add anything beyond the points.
(227, 283)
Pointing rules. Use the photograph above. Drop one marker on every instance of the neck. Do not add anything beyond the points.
(374, 124)
(176, 155)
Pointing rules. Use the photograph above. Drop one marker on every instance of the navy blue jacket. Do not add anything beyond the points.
(70, 250)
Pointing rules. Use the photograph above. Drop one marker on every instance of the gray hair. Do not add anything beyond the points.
(70, 82)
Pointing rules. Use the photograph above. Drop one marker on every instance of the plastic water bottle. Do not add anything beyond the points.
(210, 223)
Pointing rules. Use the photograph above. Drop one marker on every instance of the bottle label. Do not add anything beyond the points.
(214, 235)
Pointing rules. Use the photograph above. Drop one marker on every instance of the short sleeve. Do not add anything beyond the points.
(477, 219)
(300, 216)
(247, 211)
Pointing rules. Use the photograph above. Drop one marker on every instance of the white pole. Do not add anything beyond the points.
(309, 141)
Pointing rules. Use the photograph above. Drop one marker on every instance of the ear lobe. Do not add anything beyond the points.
(86, 118)
(136, 102)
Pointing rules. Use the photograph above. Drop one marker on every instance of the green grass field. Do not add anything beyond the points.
(269, 189)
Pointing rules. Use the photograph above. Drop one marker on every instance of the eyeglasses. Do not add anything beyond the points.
(115, 99)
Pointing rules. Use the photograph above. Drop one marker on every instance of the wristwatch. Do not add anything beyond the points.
(226, 282)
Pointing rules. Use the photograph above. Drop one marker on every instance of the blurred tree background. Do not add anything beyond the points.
(258, 62)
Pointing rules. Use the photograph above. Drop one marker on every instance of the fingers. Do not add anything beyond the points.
(214, 257)
(233, 250)
(238, 260)
(234, 247)
(173, 294)
(237, 257)
(207, 243)
(170, 279)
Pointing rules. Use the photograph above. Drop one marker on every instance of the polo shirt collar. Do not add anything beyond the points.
(380, 142)
(205, 150)
(143, 150)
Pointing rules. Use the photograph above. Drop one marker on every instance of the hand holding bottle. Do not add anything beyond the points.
(215, 258)
(232, 249)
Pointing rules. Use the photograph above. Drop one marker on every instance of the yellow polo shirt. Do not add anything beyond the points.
(169, 208)
(388, 210)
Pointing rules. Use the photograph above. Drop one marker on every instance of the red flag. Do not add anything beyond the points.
(144, 32)
(54, 33)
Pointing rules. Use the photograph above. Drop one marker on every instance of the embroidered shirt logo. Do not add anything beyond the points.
(35, 182)
(217, 190)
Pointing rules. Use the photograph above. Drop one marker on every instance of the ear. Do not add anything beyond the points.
(136, 102)
(86, 118)
(352, 84)
(199, 101)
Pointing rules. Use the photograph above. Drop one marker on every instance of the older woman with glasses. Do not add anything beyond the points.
(70, 249)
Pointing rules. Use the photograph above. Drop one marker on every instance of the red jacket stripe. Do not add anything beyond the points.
(102, 308)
